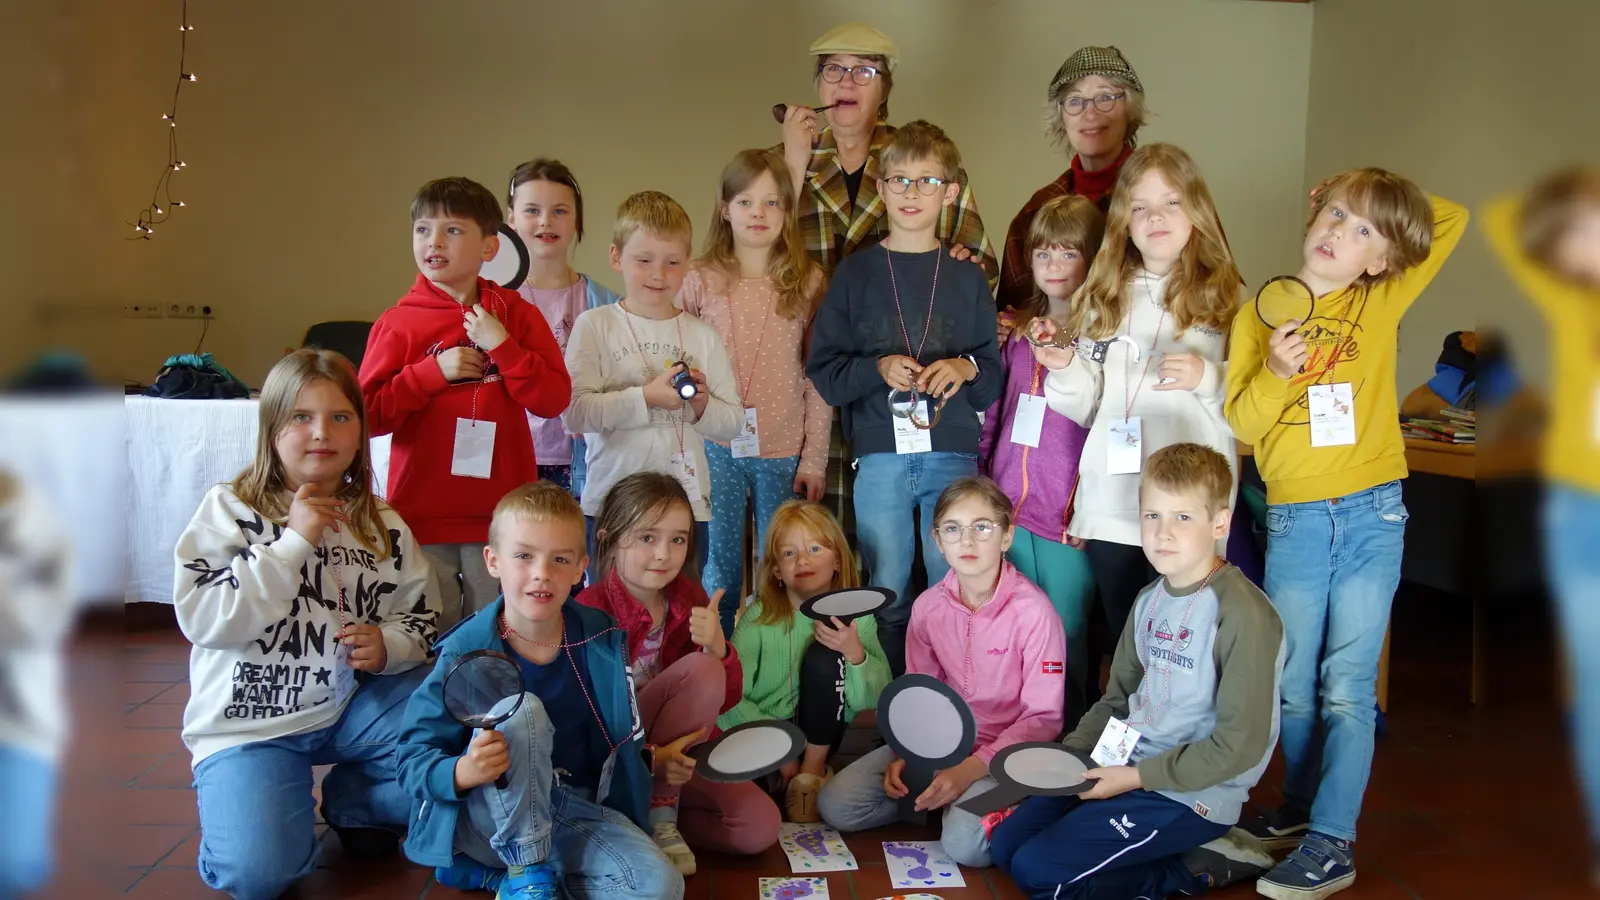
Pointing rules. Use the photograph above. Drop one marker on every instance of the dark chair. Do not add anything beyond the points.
(348, 338)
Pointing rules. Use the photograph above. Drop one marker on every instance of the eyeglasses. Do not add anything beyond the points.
(833, 73)
(982, 530)
(1103, 102)
(926, 185)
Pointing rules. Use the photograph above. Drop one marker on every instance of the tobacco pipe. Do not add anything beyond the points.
(779, 110)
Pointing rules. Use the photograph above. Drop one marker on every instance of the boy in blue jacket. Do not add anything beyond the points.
(579, 779)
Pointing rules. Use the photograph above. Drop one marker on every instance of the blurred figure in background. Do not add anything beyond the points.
(1549, 240)
(36, 615)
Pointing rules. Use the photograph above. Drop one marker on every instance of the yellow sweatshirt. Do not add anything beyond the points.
(1273, 414)
(1572, 440)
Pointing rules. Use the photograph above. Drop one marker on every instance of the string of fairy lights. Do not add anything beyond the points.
(161, 202)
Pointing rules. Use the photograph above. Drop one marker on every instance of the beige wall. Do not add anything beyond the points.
(314, 122)
(1469, 98)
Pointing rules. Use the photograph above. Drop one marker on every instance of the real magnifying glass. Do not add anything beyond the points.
(482, 689)
(1284, 306)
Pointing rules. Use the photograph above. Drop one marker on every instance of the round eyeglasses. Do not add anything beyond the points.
(1103, 102)
(833, 73)
(926, 185)
(982, 530)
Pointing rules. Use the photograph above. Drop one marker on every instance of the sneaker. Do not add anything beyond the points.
(536, 882)
(664, 828)
(1231, 858)
(467, 874)
(1320, 866)
(1280, 829)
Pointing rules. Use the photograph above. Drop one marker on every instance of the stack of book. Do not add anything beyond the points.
(1452, 426)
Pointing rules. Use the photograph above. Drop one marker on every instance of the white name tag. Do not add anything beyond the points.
(474, 450)
(682, 469)
(1028, 423)
(748, 443)
(1116, 743)
(908, 438)
(344, 677)
(1333, 414)
(1124, 447)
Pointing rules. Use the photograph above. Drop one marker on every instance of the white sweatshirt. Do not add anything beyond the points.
(622, 434)
(258, 601)
(37, 608)
(1095, 395)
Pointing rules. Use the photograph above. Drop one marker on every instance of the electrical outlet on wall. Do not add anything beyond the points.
(190, 311)
(141, 311)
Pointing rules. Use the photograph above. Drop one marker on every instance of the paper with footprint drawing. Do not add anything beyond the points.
(815, 848)
(920, 864)
(794, 889)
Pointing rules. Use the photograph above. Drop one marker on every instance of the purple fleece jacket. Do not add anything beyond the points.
(1039, 481)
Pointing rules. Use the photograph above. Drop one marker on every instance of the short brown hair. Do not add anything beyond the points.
(1549, 211)
(458, 198)
(1395, 206)
(974, 487)
(1071, 221)
(551, 170)
(657, 214)
(639, 501)
(536, 501)
(922, 140)
(1181, 468)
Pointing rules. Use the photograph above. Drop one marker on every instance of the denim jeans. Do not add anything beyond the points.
(854, 800)
(890, 489)
(1332, 570)
(733, 482)
(594, 850)
(1572, 561)
(257, 815)
(27, 832)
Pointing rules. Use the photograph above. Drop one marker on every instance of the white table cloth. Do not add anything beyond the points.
(176, 451)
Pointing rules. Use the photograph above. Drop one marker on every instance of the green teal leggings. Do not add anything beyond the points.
(1063, 573)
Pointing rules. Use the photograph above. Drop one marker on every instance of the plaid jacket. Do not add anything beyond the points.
(833, 230)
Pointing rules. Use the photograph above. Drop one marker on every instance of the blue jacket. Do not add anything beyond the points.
(597, 295)
(431, 741)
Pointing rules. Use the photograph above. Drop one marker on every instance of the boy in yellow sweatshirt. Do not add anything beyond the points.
(1316, 398)
(1549, 240)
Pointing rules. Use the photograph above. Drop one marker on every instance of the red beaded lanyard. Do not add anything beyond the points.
(1132, 386)
(507, 632)
(338, 581)
(927, 326)
(474, 345)
(1144, 641)
(649, 370)
(744, 381)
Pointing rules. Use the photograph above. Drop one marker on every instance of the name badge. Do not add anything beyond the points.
(679, 466)
(344, 677)
(1028, 423)
(1333, 414)
(474, 450)
(1124, 447)
(908, 438)
(748, 443)
(1116, 743)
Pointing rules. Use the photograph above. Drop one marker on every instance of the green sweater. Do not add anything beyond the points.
(771, 656)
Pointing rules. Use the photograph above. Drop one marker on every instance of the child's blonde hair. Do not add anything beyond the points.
(1181, 468)
(536, 501)
(639, 501)
(771, 604)
(1551, 210)
(1394, 205)
(1071, 221)
(974, 487)
(1204, 284)
(657, 214)
(263, 486)
(792, 271)
(921, 140)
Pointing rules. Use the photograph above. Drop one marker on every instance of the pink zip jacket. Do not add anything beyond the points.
(1008, 659)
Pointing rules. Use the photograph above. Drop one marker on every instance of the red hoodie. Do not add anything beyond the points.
(406, 395)
(682, 594)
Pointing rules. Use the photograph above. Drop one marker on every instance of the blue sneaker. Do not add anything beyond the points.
(1320, 866)
(467, 874)
(536, 882)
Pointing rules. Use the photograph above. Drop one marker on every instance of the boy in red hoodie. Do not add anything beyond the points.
(452, 371)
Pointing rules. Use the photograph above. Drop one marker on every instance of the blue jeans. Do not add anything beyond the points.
(854, 800)
(594, 850)
(890, 489)
(1127, 846)
(1332, 570)
(1572, 561)
(733, 482)
(257, 818)
(27, 830)
(702, 543)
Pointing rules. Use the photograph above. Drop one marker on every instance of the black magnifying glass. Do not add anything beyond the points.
(482, 689)
(509, 267)
(929, 725)
(1031, 769)
(1276, 310)
(749, 751)
(847, 604)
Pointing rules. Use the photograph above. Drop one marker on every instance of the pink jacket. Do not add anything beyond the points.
(1007, 659)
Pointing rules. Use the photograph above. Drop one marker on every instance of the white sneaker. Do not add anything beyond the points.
(671, 842)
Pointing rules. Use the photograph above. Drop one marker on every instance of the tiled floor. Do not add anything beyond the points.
(1464, 802)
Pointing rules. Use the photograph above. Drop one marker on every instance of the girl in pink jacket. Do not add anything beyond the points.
(993, 636)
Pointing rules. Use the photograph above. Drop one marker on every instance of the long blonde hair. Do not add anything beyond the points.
(797, 278)
(263, 486)
(771, 605)
(1205, 282)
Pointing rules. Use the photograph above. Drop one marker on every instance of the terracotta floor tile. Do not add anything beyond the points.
(172, 884)
(147, 845)
(140, 741)
(160, 806)
(133, 765)
(164, 672)
(174, 771)
(178, 694)
(140, 691)
(154, 715)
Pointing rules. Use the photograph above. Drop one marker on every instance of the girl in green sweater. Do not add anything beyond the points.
(818, 675)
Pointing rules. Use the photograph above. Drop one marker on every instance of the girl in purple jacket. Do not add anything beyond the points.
(1031, 450)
